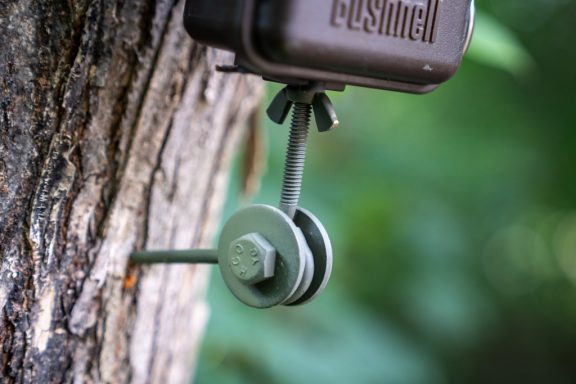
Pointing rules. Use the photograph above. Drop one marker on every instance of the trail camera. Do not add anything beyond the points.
(282, 255)
(403, 45)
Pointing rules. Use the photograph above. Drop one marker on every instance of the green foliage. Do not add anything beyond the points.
(453, 217)
(496, 45)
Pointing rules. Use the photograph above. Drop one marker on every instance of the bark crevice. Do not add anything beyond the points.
(114, 136)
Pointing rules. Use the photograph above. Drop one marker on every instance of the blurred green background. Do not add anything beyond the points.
(453, 220)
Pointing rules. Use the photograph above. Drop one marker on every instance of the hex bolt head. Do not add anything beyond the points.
(252, 258)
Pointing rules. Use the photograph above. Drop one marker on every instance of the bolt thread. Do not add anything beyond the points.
(295, 158)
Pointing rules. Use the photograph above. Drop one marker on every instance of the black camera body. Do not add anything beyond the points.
(402, 45)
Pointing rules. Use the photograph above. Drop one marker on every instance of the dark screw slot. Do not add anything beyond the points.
(295, 158)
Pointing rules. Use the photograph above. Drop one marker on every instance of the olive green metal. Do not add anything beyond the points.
(306, 277)
(324, 113)
(271, 256)
(194, 256)
(280, 107)
(288, 241)
(252, 259)
(321, 248)
(295, 158)
(302, 102)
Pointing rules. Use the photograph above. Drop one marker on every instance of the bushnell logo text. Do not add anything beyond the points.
(408, 19)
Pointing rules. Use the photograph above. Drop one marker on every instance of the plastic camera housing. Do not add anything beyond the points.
(402, 45)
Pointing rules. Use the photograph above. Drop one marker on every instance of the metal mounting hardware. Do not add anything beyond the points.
(273, 256)
(192, 256)
(270, 256)
(302, 101)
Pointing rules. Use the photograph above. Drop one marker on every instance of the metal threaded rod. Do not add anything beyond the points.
(194, 256)
(295, 158)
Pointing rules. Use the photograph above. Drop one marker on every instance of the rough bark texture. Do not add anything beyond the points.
(115, 135)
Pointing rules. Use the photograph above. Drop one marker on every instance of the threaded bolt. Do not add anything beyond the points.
(295, 158)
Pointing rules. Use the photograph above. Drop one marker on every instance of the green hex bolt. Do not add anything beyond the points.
(252, 259)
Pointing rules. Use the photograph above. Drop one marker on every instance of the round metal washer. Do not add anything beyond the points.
(277, 228)
(319, 243)
(307, 277)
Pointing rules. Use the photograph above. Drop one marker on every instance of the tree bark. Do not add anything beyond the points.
(115, 135)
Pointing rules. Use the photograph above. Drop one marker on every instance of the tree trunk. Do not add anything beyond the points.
(115, 135)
